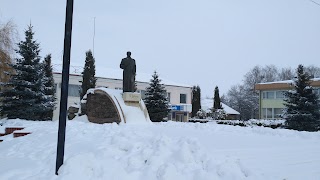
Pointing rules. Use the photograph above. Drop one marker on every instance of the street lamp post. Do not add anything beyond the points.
(64, 85)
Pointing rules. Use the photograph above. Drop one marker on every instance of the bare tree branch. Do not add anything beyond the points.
(8, 37)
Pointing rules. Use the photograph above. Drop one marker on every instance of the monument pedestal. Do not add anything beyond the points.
(131, 99)
(134, 99)
(102, 108)
(105, 105)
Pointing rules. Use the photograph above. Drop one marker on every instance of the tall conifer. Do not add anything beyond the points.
(302, 104)
(217, 111)
(23, 96)
(156, 101)
(196, 100)
(88, 74)
(49, 88)
(216, 99)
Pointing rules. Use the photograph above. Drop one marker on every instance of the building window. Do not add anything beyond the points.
(74, 90)
(271, 113)
(263, 113)
(101, 86)
(183, 98)
(268, 95)
(280, 94)
(267, 113)
(168, 97)
(143, 94)
(277, 113)
(317, 92)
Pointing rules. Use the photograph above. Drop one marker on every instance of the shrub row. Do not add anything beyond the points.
(253, 122)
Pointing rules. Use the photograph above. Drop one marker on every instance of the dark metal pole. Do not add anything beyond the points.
(64, 85)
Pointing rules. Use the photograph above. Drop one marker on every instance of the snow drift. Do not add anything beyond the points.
(159, 151)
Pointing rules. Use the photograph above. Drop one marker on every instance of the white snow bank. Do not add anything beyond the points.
(160, 151)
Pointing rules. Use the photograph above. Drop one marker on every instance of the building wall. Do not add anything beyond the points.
(272, 103)
(272, 106)
(75, 84)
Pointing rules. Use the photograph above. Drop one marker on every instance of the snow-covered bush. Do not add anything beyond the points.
(220, 114)
(201, 114)
(254, 122)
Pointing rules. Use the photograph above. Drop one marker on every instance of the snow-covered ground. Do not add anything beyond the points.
(164, 151)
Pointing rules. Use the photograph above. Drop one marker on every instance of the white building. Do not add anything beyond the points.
(207, 105)
(179, 95)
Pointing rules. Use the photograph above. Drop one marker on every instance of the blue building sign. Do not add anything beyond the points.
(176, 108)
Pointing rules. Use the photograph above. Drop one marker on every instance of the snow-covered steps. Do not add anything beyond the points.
(10, 130)
(19, 134)
(16, 131)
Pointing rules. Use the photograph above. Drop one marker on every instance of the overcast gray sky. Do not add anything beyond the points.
(204, 42)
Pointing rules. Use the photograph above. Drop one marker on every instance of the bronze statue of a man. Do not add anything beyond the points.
(129, 72)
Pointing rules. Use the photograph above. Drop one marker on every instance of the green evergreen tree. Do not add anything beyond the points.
(216, 99)
(217, 110)
(49, 88)
(23, 96)
(302, 104)
(88, 74)
(156, 101)
(196, 100)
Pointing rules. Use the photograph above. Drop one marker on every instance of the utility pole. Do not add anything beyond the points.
(94, 34)
(64, 85)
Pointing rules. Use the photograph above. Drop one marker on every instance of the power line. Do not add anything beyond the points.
(315, 2)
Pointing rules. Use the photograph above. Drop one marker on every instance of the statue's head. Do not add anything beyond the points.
(128, 53)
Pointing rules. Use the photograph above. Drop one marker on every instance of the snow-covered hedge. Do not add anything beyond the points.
(253, 122)
(195, 120)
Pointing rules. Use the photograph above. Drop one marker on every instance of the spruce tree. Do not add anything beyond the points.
(49, 88)
(302, 104)
(89, 71)
(196, 100)
(156, 101)
(216, 98)
(23, 96)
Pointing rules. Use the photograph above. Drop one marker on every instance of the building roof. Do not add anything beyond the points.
(117, 74)
(287, 84)
(207, 105)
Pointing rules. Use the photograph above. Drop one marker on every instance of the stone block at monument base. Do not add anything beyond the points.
(131, 97)
(105, 105)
